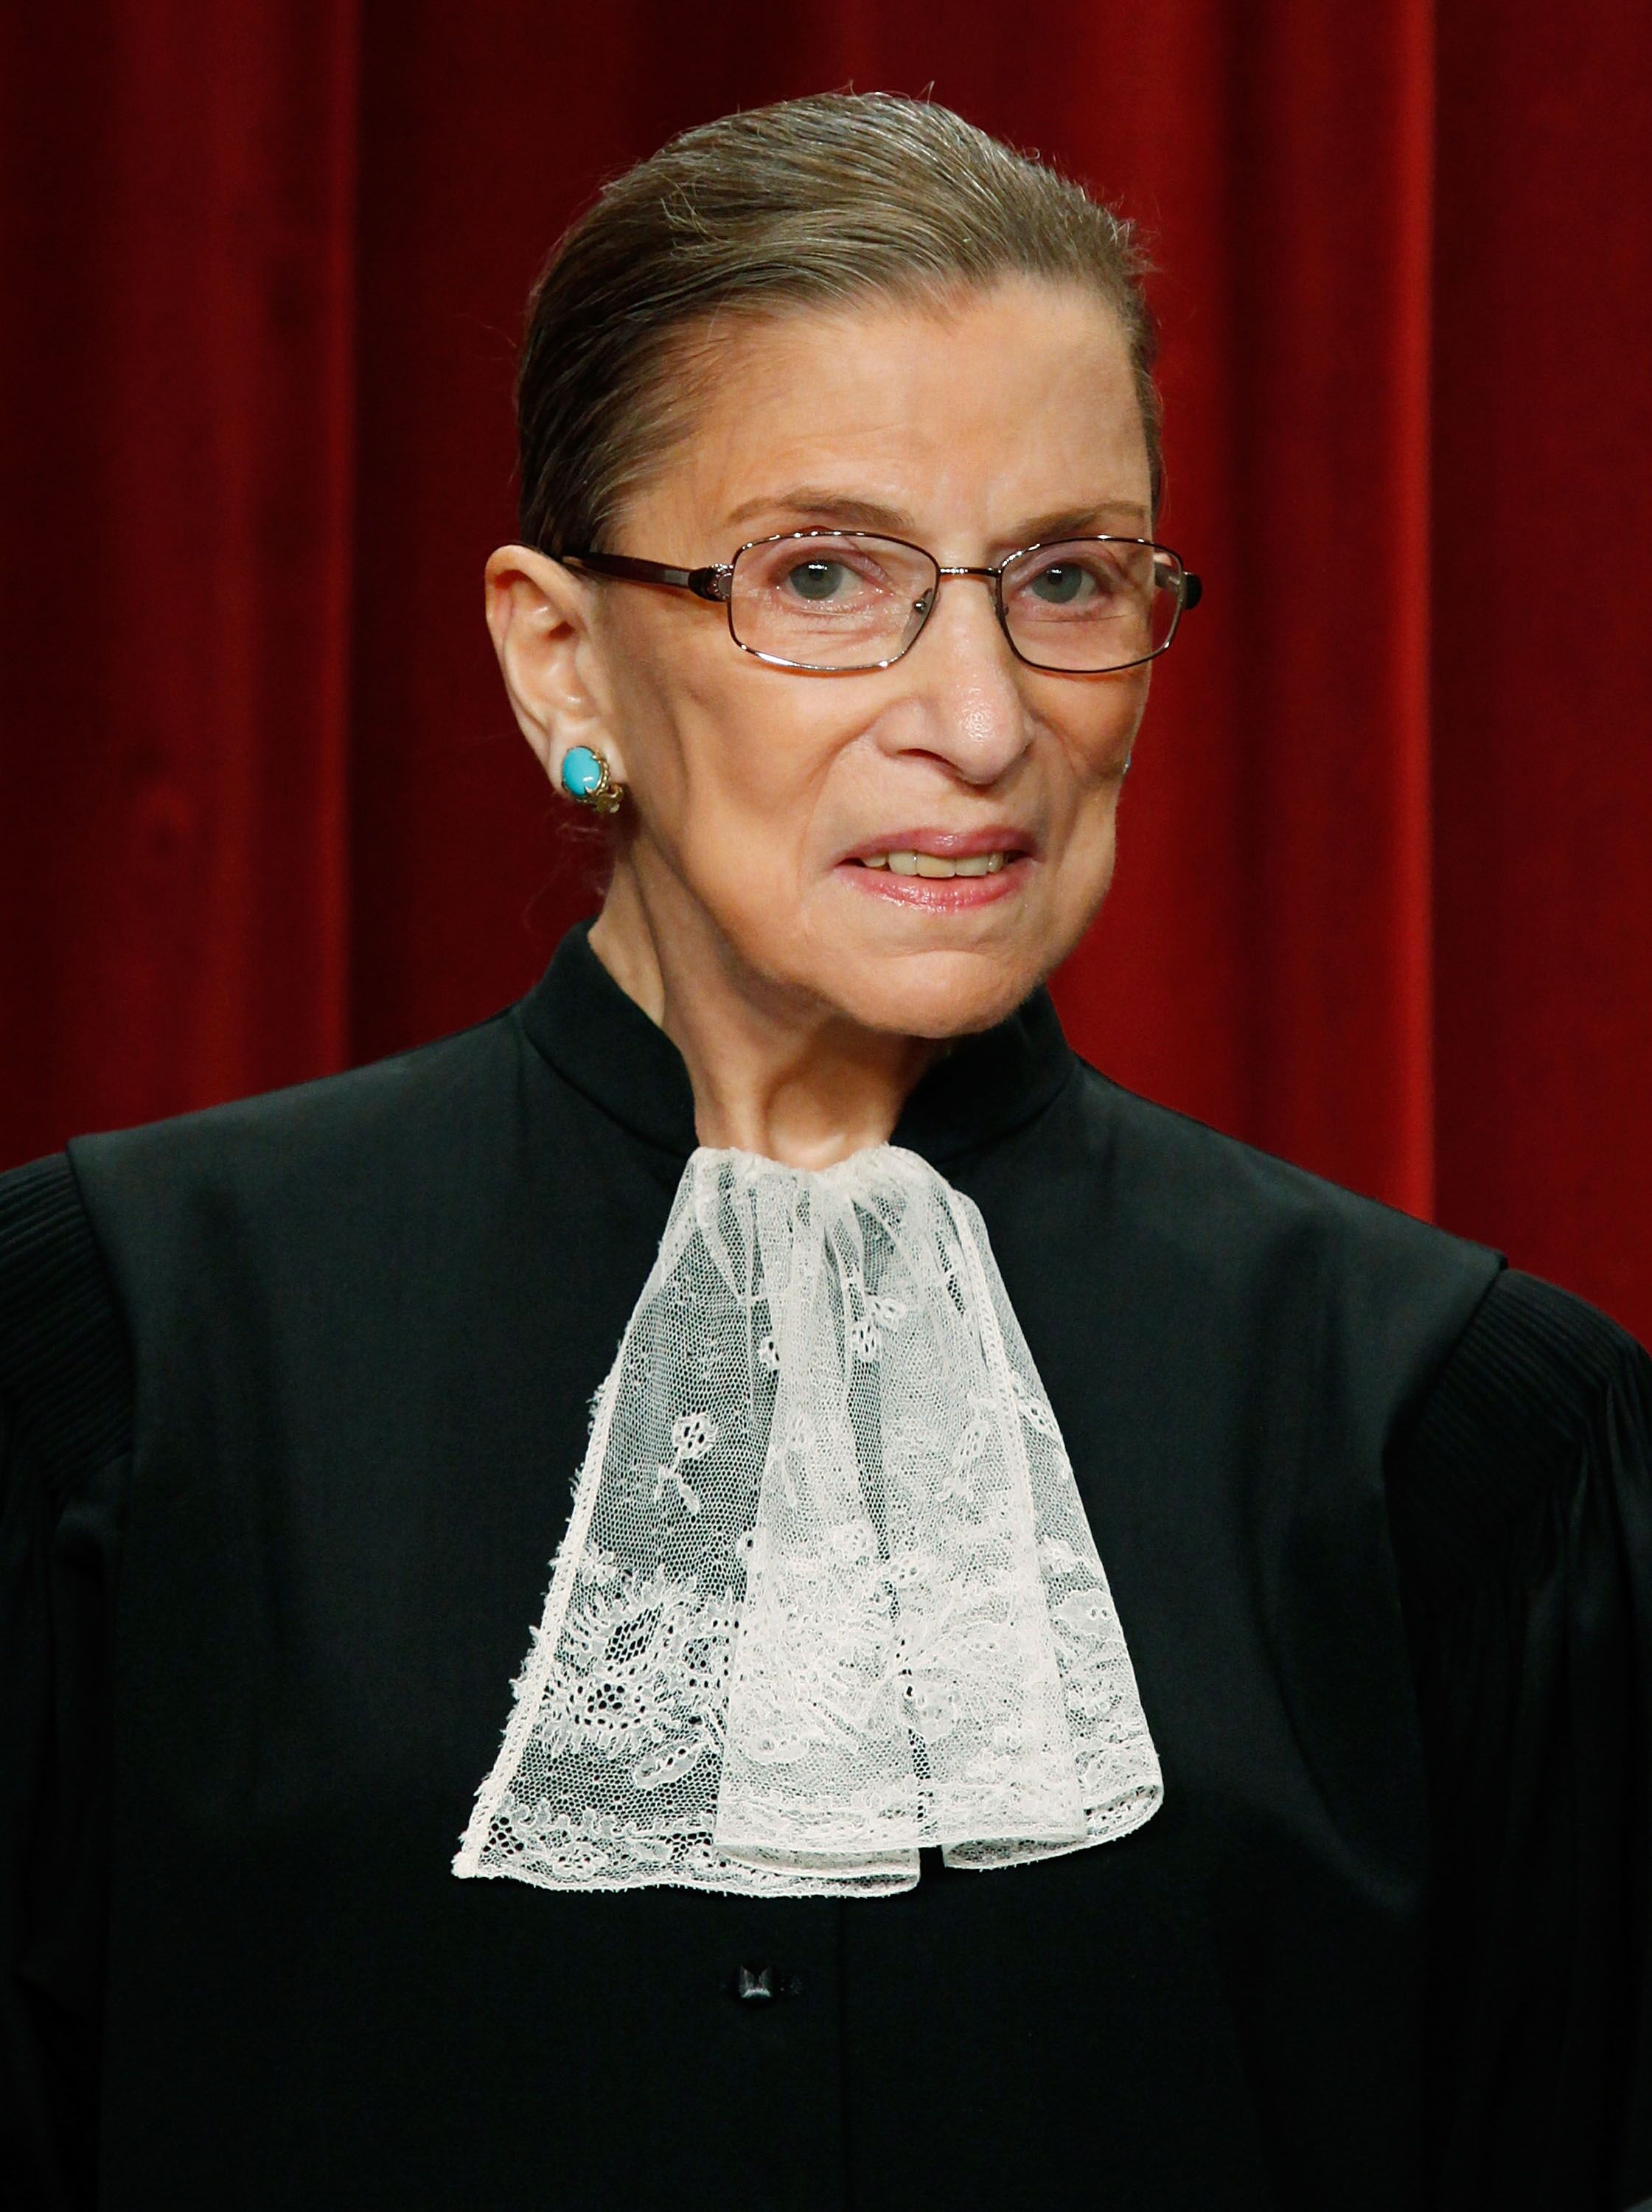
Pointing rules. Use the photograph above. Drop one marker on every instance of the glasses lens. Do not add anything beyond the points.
(1092, 603)
(841, 600)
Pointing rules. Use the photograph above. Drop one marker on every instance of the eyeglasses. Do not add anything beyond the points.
(832, 601)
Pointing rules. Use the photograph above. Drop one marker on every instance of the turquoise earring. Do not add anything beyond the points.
(586, 781)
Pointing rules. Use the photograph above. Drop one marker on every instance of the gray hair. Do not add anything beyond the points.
(812, 202)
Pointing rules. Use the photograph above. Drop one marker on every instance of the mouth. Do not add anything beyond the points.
(937, 868)
(942, 869)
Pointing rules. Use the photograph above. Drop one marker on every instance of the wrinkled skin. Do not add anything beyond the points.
(807, 993)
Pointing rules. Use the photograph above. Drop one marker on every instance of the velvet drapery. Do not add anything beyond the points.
(1382, 903)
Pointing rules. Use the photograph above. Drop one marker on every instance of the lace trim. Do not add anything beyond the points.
(828, 1592)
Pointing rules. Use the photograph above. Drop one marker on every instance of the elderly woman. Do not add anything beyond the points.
(759, 1435)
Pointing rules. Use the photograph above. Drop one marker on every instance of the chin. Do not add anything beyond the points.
(933, 994)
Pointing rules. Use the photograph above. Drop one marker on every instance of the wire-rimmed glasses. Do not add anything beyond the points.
(831, 602)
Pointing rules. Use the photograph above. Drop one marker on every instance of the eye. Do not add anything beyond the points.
(1066, 583)
(818, 580)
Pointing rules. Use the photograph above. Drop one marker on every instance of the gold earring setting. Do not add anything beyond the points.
(585, 779)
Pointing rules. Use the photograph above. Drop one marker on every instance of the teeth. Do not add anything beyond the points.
(931, 864)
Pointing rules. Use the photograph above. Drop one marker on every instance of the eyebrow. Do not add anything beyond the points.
(820, 503)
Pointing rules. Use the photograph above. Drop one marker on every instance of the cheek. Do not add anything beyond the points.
(1083, 868)
(751, 769)
(1120, 703)
(1096, 731)
(728, 769)
(1094, 745)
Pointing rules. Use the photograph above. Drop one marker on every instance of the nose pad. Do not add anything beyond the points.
(917, 621)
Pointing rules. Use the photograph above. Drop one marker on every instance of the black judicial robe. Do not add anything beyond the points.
(293, 1395)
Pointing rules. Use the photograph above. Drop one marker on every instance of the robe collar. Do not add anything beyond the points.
(601, 1042)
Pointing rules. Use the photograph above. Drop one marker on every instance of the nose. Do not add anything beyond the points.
(961, 697)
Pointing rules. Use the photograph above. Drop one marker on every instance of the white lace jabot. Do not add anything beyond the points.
(828, 1592)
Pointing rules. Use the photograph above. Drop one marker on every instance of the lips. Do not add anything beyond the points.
(1002, 839)
(938, 866)
(944, 871)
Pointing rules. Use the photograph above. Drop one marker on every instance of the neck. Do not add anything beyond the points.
(775, 1071)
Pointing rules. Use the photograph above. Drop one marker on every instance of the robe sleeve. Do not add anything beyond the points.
(65, 1446)
(1521, 1508)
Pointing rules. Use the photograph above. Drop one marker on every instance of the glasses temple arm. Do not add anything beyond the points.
(711, 583)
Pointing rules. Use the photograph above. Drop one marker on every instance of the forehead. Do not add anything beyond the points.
(959, 413)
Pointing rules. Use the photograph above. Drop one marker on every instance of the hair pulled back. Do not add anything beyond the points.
(808, 202)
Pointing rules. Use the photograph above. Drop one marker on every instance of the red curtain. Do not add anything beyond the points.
(1382, 903)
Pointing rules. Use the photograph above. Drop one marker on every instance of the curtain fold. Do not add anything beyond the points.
(178, 248)
(1382, 896)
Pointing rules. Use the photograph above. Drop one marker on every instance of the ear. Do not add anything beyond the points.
(539, 616)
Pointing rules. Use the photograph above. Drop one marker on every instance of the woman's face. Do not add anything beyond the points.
(757, 794)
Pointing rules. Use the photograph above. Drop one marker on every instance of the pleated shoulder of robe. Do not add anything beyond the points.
(292, 1397)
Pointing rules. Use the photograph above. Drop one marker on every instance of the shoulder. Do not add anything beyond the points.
(65, 1391)
(294, 1189)
(308, 1158)
(1511, 1403)
(1358, 1268)
(1536, 1362)
(1543, 1399)
(315, 1127)
(1184, 1161)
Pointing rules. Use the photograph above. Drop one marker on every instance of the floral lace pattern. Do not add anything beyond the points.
(828, 1592)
